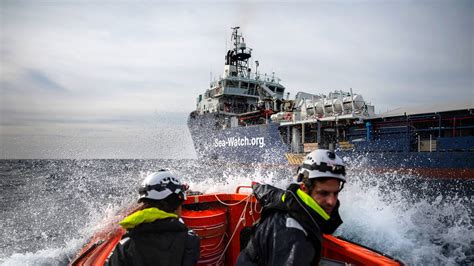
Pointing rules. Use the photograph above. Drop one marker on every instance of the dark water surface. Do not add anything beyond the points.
(49, 208)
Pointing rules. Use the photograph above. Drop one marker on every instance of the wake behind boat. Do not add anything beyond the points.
(246, 117)
(220, 221)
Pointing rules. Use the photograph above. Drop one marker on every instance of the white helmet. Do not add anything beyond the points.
(322, 163)
(160, 185)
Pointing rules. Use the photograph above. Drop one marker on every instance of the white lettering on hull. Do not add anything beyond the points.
(239, 142)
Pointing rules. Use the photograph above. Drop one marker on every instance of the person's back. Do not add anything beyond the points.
(293, 220)
(155, 235)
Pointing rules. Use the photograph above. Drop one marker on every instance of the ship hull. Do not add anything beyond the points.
(440, 165)
(263, 144)
(252, 144)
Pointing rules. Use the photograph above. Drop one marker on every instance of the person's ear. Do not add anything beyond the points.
(303, 188)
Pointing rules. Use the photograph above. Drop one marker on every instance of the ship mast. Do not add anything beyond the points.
(239, 56)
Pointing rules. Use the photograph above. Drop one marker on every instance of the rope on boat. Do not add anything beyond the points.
(217, 246)
(253, 208)
(233, 204)
(242, 218)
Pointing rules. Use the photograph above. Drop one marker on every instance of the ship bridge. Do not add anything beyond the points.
(239, 90)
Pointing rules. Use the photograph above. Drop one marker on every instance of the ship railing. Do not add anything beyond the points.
(237, 108)
(251, 77)
(298, 117)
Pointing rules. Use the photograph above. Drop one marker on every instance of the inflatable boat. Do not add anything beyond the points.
(222, 221)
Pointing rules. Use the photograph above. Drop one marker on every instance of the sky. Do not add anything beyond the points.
(117, 79)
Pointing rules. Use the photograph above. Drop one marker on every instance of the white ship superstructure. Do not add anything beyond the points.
(247, 117)
(239, 91)
(336, 105)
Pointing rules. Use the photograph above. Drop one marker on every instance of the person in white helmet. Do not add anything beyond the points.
(155, 235)
(293, 220)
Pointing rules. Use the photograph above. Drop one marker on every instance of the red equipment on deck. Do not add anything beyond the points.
(218, 220)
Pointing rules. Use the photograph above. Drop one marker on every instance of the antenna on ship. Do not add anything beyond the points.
(239, 55)
(256, 68)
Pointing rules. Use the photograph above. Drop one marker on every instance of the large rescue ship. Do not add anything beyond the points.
(246, 117)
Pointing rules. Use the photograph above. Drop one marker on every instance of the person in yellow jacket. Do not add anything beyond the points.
(293, 220)
(155, 235)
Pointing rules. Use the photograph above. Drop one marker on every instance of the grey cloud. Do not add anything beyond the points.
(23, 117)
(41, 80)
(127, 64)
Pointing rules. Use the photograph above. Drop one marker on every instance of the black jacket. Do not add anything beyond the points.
(162, 242)
(289, 231)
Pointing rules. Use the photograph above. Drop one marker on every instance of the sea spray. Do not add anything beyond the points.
(407, 217)
(52, 207)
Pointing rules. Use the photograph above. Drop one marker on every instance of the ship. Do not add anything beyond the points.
(245, 117)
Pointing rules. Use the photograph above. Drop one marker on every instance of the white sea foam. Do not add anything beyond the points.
(239, 177)
(49, 256)
(390, 212)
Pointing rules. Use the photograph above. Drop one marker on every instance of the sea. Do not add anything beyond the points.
(50, 208)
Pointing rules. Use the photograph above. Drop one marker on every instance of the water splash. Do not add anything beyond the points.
(64, 202)
(409, 218)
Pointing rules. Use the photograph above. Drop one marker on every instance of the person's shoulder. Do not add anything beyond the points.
(292, 223)
(286, 226)
(282, 222)
(275, 218)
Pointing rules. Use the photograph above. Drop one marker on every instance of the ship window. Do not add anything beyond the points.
(271, 88)
(280, 90)
(231, 83)
(252, 85)
(244, 85)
